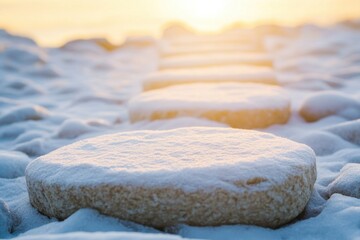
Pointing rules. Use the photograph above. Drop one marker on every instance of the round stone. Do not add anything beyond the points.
(238, 105)
(196, 176)
(215, 74)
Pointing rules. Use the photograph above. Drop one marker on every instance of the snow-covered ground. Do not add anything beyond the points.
(50, 98)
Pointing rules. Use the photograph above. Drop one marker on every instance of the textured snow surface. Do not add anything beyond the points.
(50, 98)
(184, 158)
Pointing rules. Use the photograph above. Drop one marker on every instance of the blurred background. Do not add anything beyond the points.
(52, 22)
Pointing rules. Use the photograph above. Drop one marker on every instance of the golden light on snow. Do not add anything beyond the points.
(52, 22)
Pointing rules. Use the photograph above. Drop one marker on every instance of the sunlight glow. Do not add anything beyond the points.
(52, 22)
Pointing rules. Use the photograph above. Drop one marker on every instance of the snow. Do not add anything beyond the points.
(159, 159)
(12, 164)
(348, 181)
(45, 92)
(323, 104)
(6, 221)
(89, 220)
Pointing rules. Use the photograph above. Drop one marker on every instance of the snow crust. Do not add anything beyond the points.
(12, 164)
(184, 158)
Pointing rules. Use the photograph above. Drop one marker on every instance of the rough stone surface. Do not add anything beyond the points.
(196, 176)
(238, 105)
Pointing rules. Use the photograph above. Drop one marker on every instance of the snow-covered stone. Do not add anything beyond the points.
(324, 104)
(348, 181)
(206, 60)
(238, 105)
(219, 74)
(12, 164)
(198, 176)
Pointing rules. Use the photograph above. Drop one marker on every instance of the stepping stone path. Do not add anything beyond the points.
(238, 105)
(202, 66)
(196, 176)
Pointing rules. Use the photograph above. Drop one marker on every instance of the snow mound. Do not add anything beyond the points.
(219, 74)
(239, 105)
(325, 104)
(12, 164)
(323, 143)
(6, 221)
(199, 176)
(23, 113)
(89, 220)
(348, 181)
(349, 131)
(72, 128)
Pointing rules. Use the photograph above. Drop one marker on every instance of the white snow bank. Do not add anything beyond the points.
(12, 164)
(348, 181)
(323, 143)
(89, 220)
(349, 131)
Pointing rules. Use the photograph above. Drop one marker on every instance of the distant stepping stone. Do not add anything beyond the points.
(206, 60)
(208, 48)
(238, 105)
(196, 176)
(241, 74)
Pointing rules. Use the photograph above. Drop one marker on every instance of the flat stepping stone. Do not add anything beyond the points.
(208, 48)
(220, 74)
(208, 60)
(238, 105)
(196, 176)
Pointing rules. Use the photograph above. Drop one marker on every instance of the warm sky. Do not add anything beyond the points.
(51, 22)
